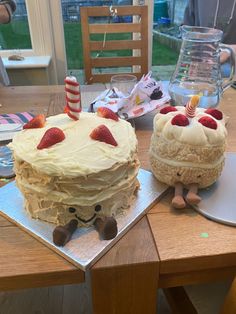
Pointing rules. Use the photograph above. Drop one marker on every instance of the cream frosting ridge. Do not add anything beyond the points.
(78, 154)
(194, 134)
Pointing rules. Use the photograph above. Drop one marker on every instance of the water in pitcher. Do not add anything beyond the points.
(198, 68)
(181, 94)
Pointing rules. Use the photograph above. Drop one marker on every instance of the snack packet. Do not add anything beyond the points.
(147, 95)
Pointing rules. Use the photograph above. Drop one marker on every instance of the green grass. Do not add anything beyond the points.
(163, 55)
(16, 36)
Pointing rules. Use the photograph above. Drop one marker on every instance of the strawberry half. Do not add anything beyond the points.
(167, 109)
(107, 113)
(208, 122)
(37, 122)
(103, 134)
(215, 113)
(180, 120)
(51, 136)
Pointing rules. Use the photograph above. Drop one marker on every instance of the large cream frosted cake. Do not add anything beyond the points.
(187, 149)
(83, 176)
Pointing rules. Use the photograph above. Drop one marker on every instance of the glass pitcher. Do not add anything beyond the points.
(198, 71)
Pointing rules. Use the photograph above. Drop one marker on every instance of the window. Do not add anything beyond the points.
(38, 29)
(167, 17)
(16, 35)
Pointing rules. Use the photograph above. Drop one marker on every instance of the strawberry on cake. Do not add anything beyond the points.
(187, 149)
(77, 172)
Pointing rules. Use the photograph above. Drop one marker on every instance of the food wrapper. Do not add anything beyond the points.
(146, 96)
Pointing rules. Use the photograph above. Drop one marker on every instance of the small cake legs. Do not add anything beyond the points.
(192, 197)
(178, 200)
(106, 227)
(62, 234)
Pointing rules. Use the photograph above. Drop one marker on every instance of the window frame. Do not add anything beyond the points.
(47, 34)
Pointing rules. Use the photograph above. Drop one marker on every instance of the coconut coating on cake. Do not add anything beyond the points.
(193, 153)
(79, 177)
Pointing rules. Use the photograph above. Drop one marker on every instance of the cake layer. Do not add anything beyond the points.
(79, 177)
(78, 154)
(184, 173)
(173, 150)
(50, 198)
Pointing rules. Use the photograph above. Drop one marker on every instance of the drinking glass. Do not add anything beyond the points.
(123, 82)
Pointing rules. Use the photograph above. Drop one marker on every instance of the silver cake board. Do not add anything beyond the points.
(85, 247)
(219, 200)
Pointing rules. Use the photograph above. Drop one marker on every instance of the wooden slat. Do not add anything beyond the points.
(25, 262)
(187, 240)
(229, 306)
(196, 277)
(110, 62)
(179, 301)
(121, 10)
(144, 32)
(138, 46)
(86, 49)
(104, 78)
(4, 222)
(125, 280)
(114, 28)
(115, 45)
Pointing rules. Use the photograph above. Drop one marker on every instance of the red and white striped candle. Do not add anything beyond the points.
(191, 106)
(73, 101)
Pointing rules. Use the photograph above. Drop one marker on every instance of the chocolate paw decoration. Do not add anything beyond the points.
(106, 227)
(62, 234)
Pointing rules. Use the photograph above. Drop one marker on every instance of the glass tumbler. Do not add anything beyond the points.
(123, 82)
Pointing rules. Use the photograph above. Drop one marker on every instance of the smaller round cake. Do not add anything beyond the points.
(187, 146)
(80, 170)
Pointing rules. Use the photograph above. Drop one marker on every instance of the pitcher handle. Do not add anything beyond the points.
(229, 81)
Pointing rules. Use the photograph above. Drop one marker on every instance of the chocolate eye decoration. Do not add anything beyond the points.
(71, 210)
(178, 174)
(98, 208)
(199, 176)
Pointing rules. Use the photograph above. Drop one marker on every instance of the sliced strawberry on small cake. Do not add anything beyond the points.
(51, 137)
(107, 113)
(103, 134)
(35, 123)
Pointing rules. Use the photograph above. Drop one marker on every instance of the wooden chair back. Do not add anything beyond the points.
(229, 306)
(98, 66)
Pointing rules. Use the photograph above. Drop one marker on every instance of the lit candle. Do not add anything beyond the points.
(191, 106)
(73, 102)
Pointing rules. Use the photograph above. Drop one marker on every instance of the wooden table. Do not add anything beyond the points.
(164, 249)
